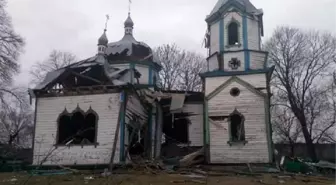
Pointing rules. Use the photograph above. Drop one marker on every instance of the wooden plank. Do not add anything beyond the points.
(116, 134)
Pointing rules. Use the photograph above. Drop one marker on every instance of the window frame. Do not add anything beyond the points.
(77, 110)
(233, 21)
(239, 142)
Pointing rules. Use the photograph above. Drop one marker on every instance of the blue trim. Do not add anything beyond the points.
(132, 66)
(234, 73)
(265, 61)
(214, 17)
(245, 42)
(149, 131)
(122, 129)
(208, 65)
(150, 75)
(221, 34)
(259, 35)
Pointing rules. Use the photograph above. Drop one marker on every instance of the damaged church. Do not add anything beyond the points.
(111, 108)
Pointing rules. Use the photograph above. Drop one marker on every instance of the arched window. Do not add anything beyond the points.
(237, 130)
(63, 132)
(233, 35)
(77, 127)
(90, 126)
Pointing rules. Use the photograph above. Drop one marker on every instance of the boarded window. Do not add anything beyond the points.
(237, 130)
(77, 127)
(233, 33)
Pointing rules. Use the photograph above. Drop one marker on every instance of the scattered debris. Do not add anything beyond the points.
(69, 169)
(281, 181)
(106, 173)
(87, 179)
(50, 172)
(193, 158)
(249, 167)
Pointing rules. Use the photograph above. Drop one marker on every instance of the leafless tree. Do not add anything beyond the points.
(285, 126)
(180, 68)
(192, 65)
(11, 46)
(170, 57)
(16, 124)
(56, 60)
(303, 62)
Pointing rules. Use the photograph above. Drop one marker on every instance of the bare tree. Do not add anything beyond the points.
(285, 126)
(16, 122)
(303, 61)
(56, 60)
(192, 65)
(170, 57)
(11, 46)
(180, 68)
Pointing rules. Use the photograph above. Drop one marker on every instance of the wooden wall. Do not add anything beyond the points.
(48, 110)
(252, 106)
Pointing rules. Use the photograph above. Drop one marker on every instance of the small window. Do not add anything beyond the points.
(237, 130)
(234, 92)
(233, 33)
(77, 128)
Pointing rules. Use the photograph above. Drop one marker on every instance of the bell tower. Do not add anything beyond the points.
(236, 86)
(235, 29)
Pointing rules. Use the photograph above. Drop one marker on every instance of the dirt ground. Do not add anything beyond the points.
(161, 179)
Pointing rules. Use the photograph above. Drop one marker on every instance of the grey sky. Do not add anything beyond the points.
(75, 25)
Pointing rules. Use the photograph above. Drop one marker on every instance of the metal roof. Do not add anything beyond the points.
(250, 8)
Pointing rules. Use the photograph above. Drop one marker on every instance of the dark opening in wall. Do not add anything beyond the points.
(176, 128)
(234, 92)
(77, 127)
(237, 130)
(136, 140)
(233, 33)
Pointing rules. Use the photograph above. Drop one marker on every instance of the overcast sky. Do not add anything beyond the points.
(75, 25)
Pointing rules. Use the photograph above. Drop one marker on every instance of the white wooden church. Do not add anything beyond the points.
(110, 107)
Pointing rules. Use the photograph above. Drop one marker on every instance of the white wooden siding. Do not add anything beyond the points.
(253, 34)
(48, 110)
(135, 108)
(214, 38)
(257, 60)
(252, 107)
(227, 20)
(144, 73)
(239, 55)
(196, 126)
(256, 80)
(195, 130)
(213, 63)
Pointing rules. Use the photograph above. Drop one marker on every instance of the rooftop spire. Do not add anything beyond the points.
(103, 41)
(129, 7)
(129, 23)
(107, 19)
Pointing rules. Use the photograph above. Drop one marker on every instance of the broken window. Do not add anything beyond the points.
(237, 130)
(176, 128)
(233, 33)
(77, 127)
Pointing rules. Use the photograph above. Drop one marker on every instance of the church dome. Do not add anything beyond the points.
(128, 48)
(103, 39)
(129, 22)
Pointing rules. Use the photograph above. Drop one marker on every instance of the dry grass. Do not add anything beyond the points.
(161, 179)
